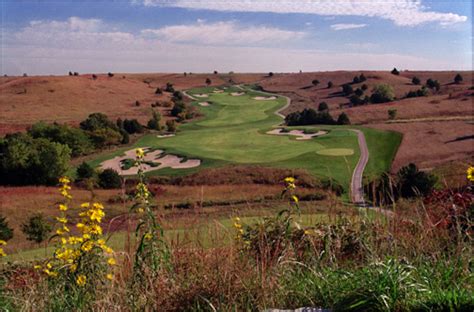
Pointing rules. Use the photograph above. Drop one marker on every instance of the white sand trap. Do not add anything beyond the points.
(165, 135)
(299, 133)
(218, 91)
(265, 98)
(237, 93)
(167, 161)
(202, 95)
(204, 103)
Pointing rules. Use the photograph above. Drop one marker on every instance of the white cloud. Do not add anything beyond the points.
(222, 33)
(84, 45)
(347, 26)
(401, 12)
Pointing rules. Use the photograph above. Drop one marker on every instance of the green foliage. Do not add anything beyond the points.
(421, 92)
(364, 87)
(323, 106)
(343, 119)
(85, 171)
(97, 121)
(359, 92)
(158, 91)
(392, 114)
(362, 78)
(309, 117)
(154, 122)
(132, 126)
(109, 179)
(77, 140)
(330, 84)
(27, 161)
(355, 79)
(395, 71)
(179, 107)
(105, 137)
(413, 183)
(315, 82)
(6, 232)
(416, 81)
(382, 93)
(169, 87)
(37, 228)
(125, 136)
(208, 81)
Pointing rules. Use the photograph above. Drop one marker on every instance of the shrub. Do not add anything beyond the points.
(70, 73)
(171, 126)
(106, 137)
(395, 71)
(177, 96)
(270, 74)
(97, 121)
(382, 93)
(315, 82)
(392, 114)
(433, 84)
(154, 122)
(458, 79)
(169, 87)
(359, 92)
(158, 91)
(179, 107)
(413, 183)
(343, 119)
(362, 78)
(421, 92)
(364, 87)
(416, 81)
(37, 228)
(356, 100)
(215, 72)
(208, 81)
(110, 75)
(6, 232)
(94, 77)
(109, 179)
(347, 89)
(85, 171)
(330, 84)
(125, 136)
(132, 126)
(323, 106)
(355, 79)
(137, 103)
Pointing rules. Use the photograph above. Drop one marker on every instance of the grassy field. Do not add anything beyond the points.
(234, 128)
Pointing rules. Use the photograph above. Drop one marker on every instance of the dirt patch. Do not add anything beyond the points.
(265, 98)
(299, 133)
(204, 103)
(153, 160)
(237, 93)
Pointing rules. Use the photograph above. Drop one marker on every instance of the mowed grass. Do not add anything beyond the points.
(233, 131)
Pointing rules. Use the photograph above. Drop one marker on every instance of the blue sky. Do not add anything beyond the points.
(53, 37)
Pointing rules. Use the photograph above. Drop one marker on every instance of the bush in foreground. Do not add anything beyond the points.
(109, 179)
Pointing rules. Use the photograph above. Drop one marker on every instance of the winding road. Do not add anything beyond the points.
(357, 188)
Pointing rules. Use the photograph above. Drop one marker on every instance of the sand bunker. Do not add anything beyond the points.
(237, 93)
(202, 95)
(165, 135)
(218, 91)
(265, 98)
(153, 160)
(299, 133)
(336, 152)
(204, 103)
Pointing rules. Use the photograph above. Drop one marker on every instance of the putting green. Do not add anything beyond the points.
(233, 131)
(336, 152)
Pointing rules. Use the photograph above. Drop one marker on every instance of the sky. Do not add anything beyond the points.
(54, 37)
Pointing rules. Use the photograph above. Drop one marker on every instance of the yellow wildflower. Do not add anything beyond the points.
(295, 199)
(73, 267)
(148, 236)
(87, 246)
(96, 229)
(237, 225)
(111, 261)
(50, 273)
(2, 242)
(290, 180)
(37, 267)
(110, 276)
(63, 241)
(62, 207)
(140, 153)
(140, 210)
(61, 219)
(81, 280)
(2, 253)
(85, 205)
(470, 174)
(64, 180)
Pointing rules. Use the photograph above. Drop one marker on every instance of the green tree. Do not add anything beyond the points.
(433, 84)
(323, 106)
(154, 122)
(6, 232)
(395, 71)
(97, 121)
(315, 82)
(110, 179)
(347, 89)
(458, 78)
(85, 171)
(355, 79)
(158, 91)
(330, 84)
(343, 119)
(208, 81)
(37, 228)
(169, 87)
(382, 93)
